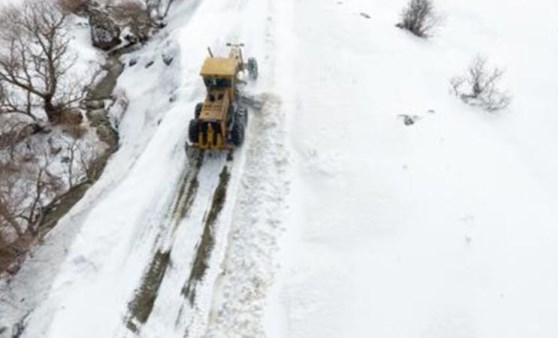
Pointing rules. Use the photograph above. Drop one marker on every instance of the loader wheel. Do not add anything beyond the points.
(253, 68)
(242, 115)
(198, 110)
(237, 134)
(193, 131)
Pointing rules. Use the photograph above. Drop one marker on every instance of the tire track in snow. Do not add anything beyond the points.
(188, 237)
(141, 305)
(197, 285)
(201, 240)
(207, 242)
(144, 301)
(197, 205)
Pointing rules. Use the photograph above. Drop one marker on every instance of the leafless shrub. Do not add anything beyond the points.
(6, 253)
(10, 198)
(35, 61)
(419, 18)
(76, 131)
(73, 148)
(78, 159)
(479, 86)
(26, 184)
(72, 117)
(13, 132)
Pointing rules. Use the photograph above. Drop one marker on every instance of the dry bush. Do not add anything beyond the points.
(419, 18)
(78, 7)
(6, 252)
(13, 132)
(479, 86)
(10, 199)
(25, 186)
(78, 160)
(72, 117)
(11, 254)
(76, 131)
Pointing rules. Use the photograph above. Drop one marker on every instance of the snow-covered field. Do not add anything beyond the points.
(339, 220)
(446, 228)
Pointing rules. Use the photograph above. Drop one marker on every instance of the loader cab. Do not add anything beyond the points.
(218, 88)
(219, 74)
(212, 82)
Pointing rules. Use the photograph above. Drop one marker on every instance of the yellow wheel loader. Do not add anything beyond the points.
(220, 121)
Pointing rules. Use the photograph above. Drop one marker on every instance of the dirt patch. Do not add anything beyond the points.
(142, 304)
(208, 238)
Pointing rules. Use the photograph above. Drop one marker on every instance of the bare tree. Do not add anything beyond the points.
(8, 206)
(419, 18)
(35, 61)
(26, 185)
(25, 188)
(167, 7)
(78, 159)
(12, 102)
(13, 132)
(158, 9)
(479, 86)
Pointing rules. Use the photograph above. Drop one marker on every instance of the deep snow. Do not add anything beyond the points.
(339, 221)
(445, 228)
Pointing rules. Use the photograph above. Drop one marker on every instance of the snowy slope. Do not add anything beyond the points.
(446, 228)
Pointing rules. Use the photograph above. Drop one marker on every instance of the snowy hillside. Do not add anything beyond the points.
(335, 219)
(446, 228)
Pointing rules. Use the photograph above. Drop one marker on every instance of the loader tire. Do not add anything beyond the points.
(198, 110)
(193, 131)
(242, 115)
(253, 68)
(237, 134)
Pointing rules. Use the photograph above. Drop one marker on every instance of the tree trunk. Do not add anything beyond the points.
(53, 114)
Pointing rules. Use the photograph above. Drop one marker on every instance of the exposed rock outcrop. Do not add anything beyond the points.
(105, 33)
